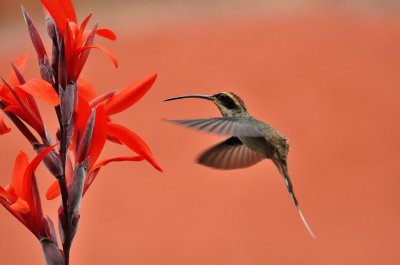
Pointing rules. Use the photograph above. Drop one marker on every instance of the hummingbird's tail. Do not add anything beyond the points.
(282, 166)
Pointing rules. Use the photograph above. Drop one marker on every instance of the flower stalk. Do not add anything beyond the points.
(85, 125)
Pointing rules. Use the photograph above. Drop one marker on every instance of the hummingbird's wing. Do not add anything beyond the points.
(225, 125)
(229, 154)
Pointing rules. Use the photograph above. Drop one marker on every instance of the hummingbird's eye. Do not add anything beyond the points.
(227, 101)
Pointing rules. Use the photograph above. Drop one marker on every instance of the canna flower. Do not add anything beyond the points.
(18, 97)
(62, 87)
(106, 105)
(85, 125)
(76, 40)
(110, 104)
(21, 197)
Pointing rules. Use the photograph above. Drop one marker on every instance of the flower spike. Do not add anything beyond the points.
(84, 125)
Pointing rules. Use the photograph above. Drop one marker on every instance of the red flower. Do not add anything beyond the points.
(84, 125)
(107, 105)
(21, 197)
(77, 40)
(18, 97)
(117, 102)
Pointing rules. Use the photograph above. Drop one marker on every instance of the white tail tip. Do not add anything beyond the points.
(308, 227)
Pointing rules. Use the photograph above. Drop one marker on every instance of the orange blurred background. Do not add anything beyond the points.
(325, 73)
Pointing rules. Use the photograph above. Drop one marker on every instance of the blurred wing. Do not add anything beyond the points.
(223, 125)
(229, 154)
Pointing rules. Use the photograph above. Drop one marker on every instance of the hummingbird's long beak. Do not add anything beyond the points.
(191, 96)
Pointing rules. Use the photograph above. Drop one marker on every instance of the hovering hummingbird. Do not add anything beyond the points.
(251, 140)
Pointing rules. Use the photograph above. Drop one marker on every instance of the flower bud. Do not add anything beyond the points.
(51, 252)
(52, 161)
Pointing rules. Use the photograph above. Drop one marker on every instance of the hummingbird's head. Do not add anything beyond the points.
(227, 102)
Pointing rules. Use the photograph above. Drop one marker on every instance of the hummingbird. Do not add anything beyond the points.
(250, 141)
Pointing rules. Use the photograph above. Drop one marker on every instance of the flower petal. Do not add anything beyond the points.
(20, 206)
(106, 50)
(69, 170)
(5, 195)
(105, 162)
(69, 9)
(20, 165)
(82, 114)
(86, 90)
(132, 141)
(129, 95)
(28, 174)
(106, 33)
(88, 36)
(99, 134)
(53, 191)
(41, 89)
(69, 54)
(28, 113)
(80, 39)
(16, 76)
(61, 11)
(83, 111)
(3, 127)
(20, 64)
(91, 177)
(7, 204)
(5, 95)
(15, 109)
